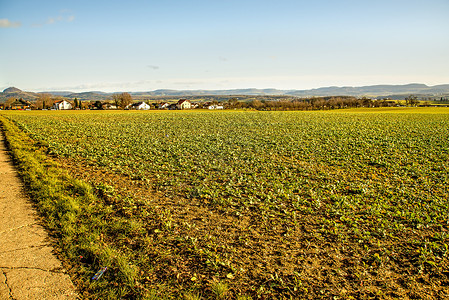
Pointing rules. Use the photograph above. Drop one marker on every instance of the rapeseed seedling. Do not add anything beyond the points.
(291, 204)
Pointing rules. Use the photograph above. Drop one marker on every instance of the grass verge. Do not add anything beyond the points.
(75, 216)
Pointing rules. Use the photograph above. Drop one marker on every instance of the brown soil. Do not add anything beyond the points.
(257, 252)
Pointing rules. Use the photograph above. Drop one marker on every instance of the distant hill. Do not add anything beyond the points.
(16, 93)
(91, 96)
(11, 90)
(379, 91)
(369, 91)
(211, 92)
(57, 93)
(374, 90)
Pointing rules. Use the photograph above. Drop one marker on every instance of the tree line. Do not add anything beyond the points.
(122, 100)
(315, 103)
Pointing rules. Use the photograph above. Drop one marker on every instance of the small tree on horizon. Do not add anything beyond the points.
(122, 100)
(411, 100)
(116, 100)
(44, 101)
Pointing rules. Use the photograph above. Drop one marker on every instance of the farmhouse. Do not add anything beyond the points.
(184, 104)
(20, 104)
(139, 106)
(61, 104)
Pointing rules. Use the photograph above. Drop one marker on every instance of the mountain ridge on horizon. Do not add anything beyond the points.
(380, 90)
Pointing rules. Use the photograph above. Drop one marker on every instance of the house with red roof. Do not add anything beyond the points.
(184, 104)
(61, 104)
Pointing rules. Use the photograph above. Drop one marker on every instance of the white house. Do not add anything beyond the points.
(62, 104)
(163, 105)
(184, 104)
(139, 105)
(109, 106)
(213, 106)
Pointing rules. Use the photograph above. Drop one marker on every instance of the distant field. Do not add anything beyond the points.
(271, 205)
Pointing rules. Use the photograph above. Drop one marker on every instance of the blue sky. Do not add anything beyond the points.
(147, 45)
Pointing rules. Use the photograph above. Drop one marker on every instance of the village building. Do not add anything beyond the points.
(215, 106)
(139, 106)
(20, 104)
(109, 106)
(163, 105)
(172, 106)
(61, 104)
(184, 104)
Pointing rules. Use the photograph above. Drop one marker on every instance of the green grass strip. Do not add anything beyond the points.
(75, 217)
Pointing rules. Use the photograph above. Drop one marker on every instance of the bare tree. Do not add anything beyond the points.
(44, 101)
(126, 100)
(116, 100)
(411, 100)
(257, 104)
(9, 101)
(122, 100)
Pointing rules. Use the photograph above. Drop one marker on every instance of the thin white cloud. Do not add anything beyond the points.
(5, 23)
(153, 67)
(52, 20)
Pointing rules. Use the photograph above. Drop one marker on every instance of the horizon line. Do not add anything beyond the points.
(60, 90)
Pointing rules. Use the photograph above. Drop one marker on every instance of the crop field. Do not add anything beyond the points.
(349, 204)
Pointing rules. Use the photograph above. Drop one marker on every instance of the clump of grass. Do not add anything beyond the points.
(220, 289)
(192, 296)
(152, 295)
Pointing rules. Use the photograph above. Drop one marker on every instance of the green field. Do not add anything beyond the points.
(235, 204)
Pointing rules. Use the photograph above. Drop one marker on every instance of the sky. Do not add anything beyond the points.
(136, 45)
